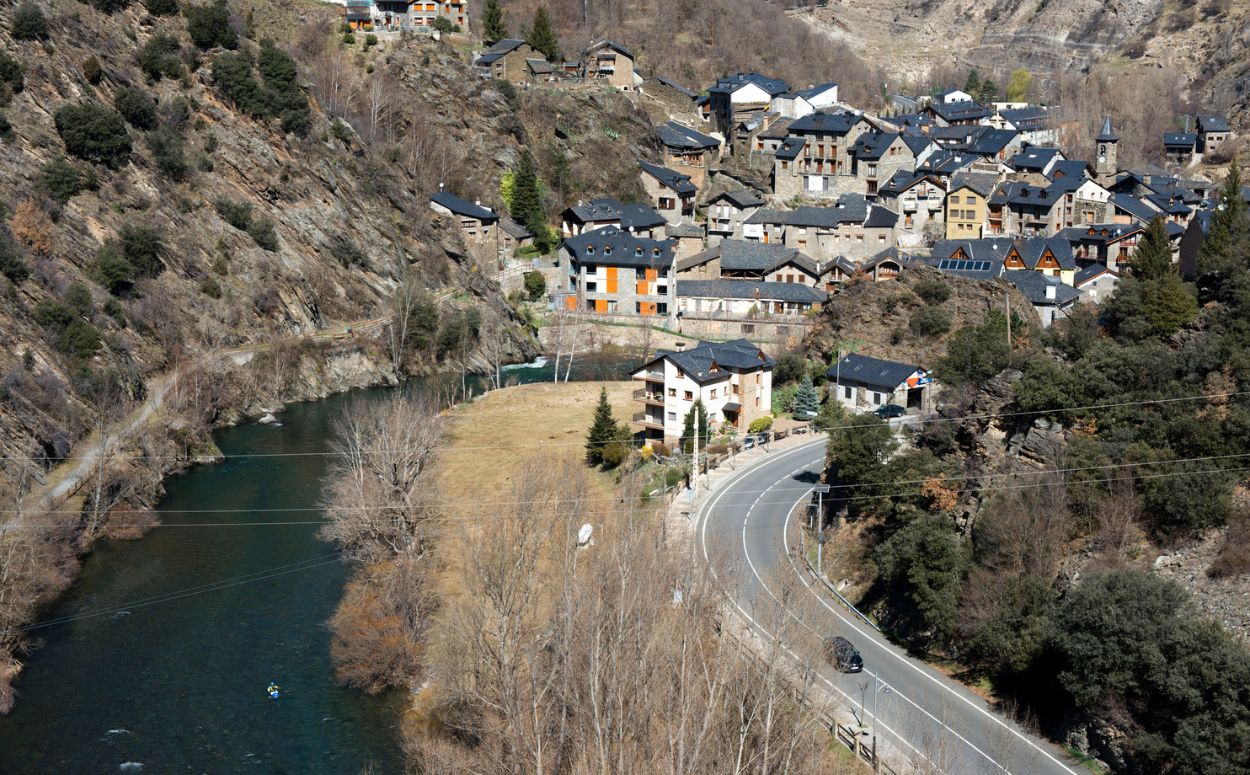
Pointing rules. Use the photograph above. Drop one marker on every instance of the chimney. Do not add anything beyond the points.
(1050, 293)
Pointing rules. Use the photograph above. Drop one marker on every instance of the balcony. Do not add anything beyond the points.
(649, 397)
(648, 421)
(651, 376)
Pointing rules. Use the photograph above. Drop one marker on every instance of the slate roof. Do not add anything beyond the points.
(514, 229)
(741, 198)
(748, 256)
(499, 50)
(825, 123)
(676, 135)
(696, 362)
(1098, 233)
(732, 83)
(889, 254)
(778, 130)
(858, 369)
(614, 247)
(1169, 205)
(982, 183)
(1068, 168)
(1091, 272)
(1212, 124)
(1027, 119)
(790, 148)
(671, 179)
(990, 141)
(880, 218)
(606, 209)
(1032, 249)
(796, 293)
(464, 207)
(947, 161)
(670, 83)
(1180, 139)
(850, 208)
(916, 142)
(684, 230)
(1133, 206)
(967, 110)
(612, 44)
(540, 66)
(1032, 285)
(813, 91)
(1020, 194)
(871, 146)
(1107, 135)
(1033, 158)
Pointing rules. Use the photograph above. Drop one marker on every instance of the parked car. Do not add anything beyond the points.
(748, 442)
(890, 411)
(841, 654)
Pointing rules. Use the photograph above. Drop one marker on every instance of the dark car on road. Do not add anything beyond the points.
(841, 654)
(890, 411)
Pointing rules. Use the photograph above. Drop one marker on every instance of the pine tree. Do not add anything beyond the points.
(1222, 253)
(1153, 258)
(527, 201)
(687, 431)
(494, 23)
(806, 400)
(542, 38)
(973, 84)
(603, 429)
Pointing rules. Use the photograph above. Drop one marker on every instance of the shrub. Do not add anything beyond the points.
(371, 40)
(62, 181)
(760, 424)
(262, 233)
(95, 133)
(161, 7)
(210, 288)
(535, 285)
(91, 70)
(347, 252)
(933, 291)
(113, 308)
(52, 315)
(209, 25)
(6, 129)
(12, 265)
(159, 57)
(136, 107)
(168, 150)
(78, 299)
(109, 6)
(28, 23)
(237, 214)
(142, 247)
(442, 24)
(79, 340)
(930, 321)
(112, 270)
(11, 79)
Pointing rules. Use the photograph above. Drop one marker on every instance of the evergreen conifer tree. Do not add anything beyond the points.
(494, 23)
(973, 84)
(527, 201)
(542, 37)
(1153, 258)
(687, 431)
(603, 429)
(806, 400)
(1221, 258)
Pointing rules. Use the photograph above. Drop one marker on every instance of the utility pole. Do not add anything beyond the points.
(1008, 322)
(694, 474)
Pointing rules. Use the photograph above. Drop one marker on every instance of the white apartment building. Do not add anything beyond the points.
(734, 380)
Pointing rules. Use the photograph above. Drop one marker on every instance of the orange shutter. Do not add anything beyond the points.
(570, 303)
(601, 306)
(652, 274)
(641, 290)
(611, 279)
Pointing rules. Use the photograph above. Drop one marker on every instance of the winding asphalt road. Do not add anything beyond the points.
(918, 715)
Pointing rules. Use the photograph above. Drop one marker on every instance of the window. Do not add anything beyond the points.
(848, 392)
(672, 392)
(876, 398)
(954, 199)
(672, 416)
(689, 396)
(757, 379)
(607, 250)
(737, 390)
(713, 393)
(785, 165)
(757, 402)
(970, 199)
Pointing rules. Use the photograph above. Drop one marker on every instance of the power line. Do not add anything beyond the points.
(543, 445)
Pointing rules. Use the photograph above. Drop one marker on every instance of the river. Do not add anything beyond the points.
(166, 645)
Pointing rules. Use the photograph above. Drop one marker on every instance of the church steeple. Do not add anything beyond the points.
(1107, 139)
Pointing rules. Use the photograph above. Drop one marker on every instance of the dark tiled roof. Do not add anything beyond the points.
(813, 91)
(790, 148)
(1107, 135)
(1022, 194)
(606, 209)
(1027, 119)
(748, 256)
(671, 179)
(741, 198)
(779, 129)
(850, 208)
(1212, 124)
(982, 249)
(990, 141)
(880, 218)
(916, 142)
(676, 135)
(959, 111)
(1087, 273)
(889, 254)
(670, 83)
(947, 161)
(1032, 285)
(684, 230)
(1033, 158)
(1133, 206)
(1180, 139)
(982, 183)
(871, 146)
(499, 50)
(464, 207)
(613, 247)
(696, 362)
(871, 372)
(796, 293)
(540, 66)
(514, 229)
(1098, 233)
(1031, 250)
(732, 83)
(825, 123)
(1068, 168)
(609, 44)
